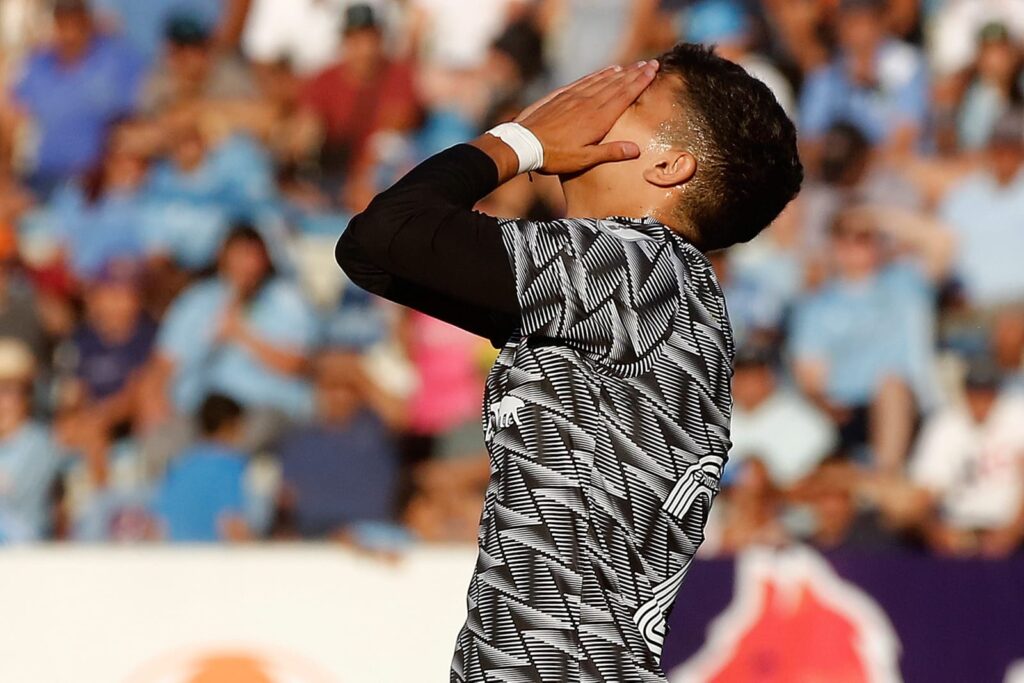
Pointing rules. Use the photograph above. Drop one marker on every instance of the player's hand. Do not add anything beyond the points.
(572, 122)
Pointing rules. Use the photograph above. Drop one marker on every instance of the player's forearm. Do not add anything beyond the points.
(420, 244)
(458, 177)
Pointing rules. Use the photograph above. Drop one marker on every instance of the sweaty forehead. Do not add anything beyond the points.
(660, 106)
(661, 99)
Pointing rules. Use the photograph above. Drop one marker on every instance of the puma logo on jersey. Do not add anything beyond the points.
(504, 414)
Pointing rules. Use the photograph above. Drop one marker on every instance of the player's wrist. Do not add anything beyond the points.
(527, 147)
(503, 156)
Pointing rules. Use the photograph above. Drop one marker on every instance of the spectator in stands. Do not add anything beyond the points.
(103, 217)
(204, 186)
(203, 497)
(876, 82)
(277, 120)
(342, 469)
(996, 86)
(863, 343)
(245, 333)
(849, 173)
(361, 97)
(72, 91)
(110, 349)
(114, 341)
(193, 71)
(773, 424)
(829, 514)
(970, 458)
(984, 210)
(29, 459)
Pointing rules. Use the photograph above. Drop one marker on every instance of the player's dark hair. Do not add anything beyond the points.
(748, 167)
(217, 412)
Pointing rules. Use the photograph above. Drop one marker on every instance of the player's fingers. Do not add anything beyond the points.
(572, 87)
(587, 82)
(606, 79)
(595, 76)
(625, 75)
(625, 91)
(612, 151)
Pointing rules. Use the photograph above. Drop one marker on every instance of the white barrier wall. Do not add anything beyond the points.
(279, 614)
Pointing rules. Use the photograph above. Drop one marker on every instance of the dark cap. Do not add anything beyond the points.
(983, 375)
(70, 7)
(1008, 130)
(185, 30)
(994, 32)
(358, 17)
(858, 5)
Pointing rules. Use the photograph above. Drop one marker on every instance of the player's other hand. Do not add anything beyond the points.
(571, 123)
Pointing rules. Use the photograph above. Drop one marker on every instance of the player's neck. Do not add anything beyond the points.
(614, 204)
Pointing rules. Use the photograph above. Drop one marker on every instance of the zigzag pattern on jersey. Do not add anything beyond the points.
(607, 423)
(588, 286)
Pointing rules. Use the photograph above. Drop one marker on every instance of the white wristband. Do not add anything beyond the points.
(524, 143)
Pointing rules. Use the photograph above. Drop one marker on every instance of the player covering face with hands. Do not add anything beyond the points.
(606, 414)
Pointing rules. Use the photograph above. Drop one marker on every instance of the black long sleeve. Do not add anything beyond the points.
(421, 245)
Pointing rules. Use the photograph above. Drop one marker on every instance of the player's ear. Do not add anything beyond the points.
(671, 168)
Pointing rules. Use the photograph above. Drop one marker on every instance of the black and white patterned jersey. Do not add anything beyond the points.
(606, 417)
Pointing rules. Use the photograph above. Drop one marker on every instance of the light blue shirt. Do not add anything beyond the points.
(764, 280)
(93, 234)
(356, 322)
(982, 106)
(29, 464)
(279, 314)
(868, 330)
(900, 98)
(988, 221)
(72, 104)
(202, 486)
(190, 213)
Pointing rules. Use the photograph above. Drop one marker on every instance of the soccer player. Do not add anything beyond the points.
(606, 414)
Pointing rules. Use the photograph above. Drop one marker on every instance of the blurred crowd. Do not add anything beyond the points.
(181, 359)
